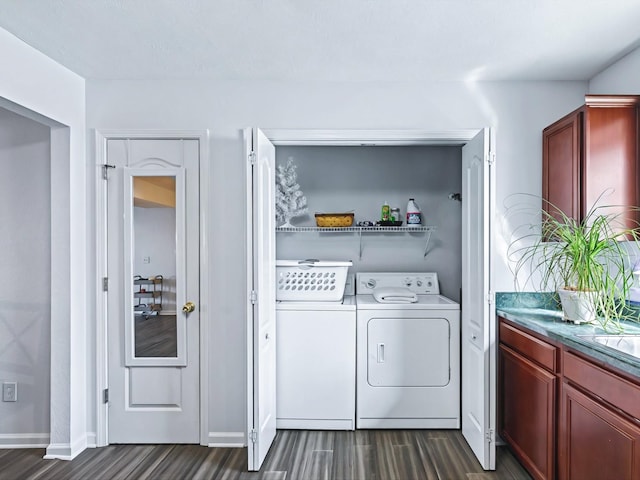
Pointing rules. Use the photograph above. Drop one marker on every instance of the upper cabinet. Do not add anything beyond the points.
(592, 150)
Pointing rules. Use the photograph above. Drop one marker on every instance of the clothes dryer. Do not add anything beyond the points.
(408, 352)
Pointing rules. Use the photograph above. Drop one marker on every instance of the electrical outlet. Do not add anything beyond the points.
(10, 392)
(146, 260)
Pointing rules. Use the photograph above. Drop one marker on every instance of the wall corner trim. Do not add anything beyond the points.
(66, 451)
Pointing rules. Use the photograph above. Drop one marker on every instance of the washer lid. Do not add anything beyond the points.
(348, 303)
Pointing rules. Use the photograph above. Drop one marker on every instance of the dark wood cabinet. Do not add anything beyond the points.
(565, 414)
(590, 152)
(527, 399)
(596, 439)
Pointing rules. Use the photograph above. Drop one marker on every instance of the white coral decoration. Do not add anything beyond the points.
(290, 202)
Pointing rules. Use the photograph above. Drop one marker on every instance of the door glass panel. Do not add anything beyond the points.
(154, 267)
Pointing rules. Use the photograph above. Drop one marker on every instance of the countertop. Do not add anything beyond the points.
(540, 313)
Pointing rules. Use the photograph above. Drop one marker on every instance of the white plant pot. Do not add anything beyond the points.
(578, 306)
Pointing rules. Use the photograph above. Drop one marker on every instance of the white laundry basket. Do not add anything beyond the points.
(311, 280)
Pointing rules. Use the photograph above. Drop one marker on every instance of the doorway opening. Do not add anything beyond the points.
(35, 151)
(25, 254)
(263, 145)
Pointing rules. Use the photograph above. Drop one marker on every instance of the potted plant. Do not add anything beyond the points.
(587, 262)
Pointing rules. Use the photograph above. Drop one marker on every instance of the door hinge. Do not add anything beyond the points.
(490, 297)
(490, 158)
(252, 158)
(253, 296)
(105, 171)
(253, 435)
(105, 395)
(490, 436)
(105, 284)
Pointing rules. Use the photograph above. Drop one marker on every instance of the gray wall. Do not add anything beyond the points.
(361, 179)
(25, 283)
(517, 110)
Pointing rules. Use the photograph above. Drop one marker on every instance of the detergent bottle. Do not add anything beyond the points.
(414, 216)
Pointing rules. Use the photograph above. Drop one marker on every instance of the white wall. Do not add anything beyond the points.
(518, 111)
(25, 284)
(361, 179)
(623, 77)
(155, 239)
(36, 87)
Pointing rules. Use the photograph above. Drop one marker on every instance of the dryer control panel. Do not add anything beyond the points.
(419, 283)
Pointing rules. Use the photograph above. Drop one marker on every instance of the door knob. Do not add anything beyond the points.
(189, 307)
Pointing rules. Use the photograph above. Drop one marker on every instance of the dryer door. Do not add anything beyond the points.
(408, 352)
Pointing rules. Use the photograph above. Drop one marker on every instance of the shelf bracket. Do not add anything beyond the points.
(426, 244)
(360, 240)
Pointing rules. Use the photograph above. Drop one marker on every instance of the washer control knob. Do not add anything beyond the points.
(371, 283)
(429, 284)
(407, 282)
(419, 282)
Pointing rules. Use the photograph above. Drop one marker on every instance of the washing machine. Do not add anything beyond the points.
(316, 347)
(408, 352)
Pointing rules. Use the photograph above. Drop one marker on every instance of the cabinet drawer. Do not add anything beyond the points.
(531, 347)
(613, 389)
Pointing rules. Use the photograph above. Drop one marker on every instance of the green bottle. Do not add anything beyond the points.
(386, 212)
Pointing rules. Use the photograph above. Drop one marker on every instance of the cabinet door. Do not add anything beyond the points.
(610, 170)
(527, 412)
(595, 443)
(561, 158)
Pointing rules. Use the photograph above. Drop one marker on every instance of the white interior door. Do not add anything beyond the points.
(478, 317)
(261, 348)
(153, 236)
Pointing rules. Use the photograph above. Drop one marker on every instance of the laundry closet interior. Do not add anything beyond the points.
(321, 355)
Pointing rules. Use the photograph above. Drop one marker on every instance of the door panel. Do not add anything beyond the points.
(154, 397)
(478, 331)
(262, 343)
(155, 386)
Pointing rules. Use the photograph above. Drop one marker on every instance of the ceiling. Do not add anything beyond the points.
(329, 40)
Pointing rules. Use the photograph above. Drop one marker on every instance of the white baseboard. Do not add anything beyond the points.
(66, 451)
(61, 451)
(24, 440)
(91, 440)
(227, 439)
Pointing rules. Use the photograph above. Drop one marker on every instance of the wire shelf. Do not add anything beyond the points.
(423, 228)
(428, 229)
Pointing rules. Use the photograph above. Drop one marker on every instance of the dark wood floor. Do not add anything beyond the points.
(295, 455)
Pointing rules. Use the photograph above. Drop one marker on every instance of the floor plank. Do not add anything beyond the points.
(295, 455)
(318, 465)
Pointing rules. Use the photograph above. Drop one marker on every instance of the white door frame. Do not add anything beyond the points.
(102, 377)
(307, 137)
